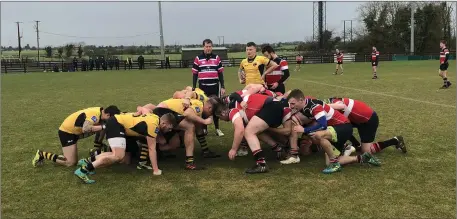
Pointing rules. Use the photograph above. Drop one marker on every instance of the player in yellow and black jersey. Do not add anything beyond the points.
(253, 69)
(123, 130)
(78, 125)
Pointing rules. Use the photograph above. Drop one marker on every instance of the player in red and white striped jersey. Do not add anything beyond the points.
(331, 129)
(275, 80)
(250, 120)
(374, 61)
(339, 61)
(365, 119)
(444, 64)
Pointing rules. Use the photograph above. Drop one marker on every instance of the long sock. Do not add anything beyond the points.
(336, 71)
(144, 153)
(216, 122)
(202, 140)
(88, 168)
(354, 141)
(293, 152)
(189, 159)
(259, 157)
(50, 156)
(445, 81)
(379, 146)
(374, 74)
(334, 160)
(276, 148)
(359, 159)
(90, 159)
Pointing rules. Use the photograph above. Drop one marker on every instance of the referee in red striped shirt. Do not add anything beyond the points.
(209, 73)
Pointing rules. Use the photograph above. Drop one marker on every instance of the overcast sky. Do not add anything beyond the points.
(137, 23)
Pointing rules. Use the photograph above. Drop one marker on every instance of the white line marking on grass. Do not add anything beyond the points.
(380, 94)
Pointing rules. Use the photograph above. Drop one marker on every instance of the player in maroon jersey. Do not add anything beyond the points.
(374, 61)
(365, 119)
(339, 61)
(275, 80)
(259, 113)
(331, 129)
(444, 64)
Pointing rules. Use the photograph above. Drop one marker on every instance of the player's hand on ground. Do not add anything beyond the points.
(222, 91)
(209, 120)
(274, 85)
(299, 129)
(157, 172)
(232, 154)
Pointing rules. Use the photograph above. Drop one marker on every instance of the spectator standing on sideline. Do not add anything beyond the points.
(110, 63)
(116, 63)
(97, 64)
(167, 62)
(75, 63)
(130, 62)
(91, 63)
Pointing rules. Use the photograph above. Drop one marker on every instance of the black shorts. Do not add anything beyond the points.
(339, 62)
(132, 145)
(444, 66)
(271, 113)
(343, 134)
(367, 131)
(67, 139)
(281, 88)
(159, 111)
(374, 63)
(212, 90)
(298, 62)
(115, 130)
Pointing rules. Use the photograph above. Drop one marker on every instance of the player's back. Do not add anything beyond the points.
(143, 125)
(73, 123)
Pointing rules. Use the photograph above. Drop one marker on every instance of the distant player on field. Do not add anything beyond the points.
(444, 57)
(339, 62)
(299, 60)
(374, 61)
(275, 80)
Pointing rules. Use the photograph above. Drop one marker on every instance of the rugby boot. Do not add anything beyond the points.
(258, 168)
(332, 168)
(401, 144)
(84, 162)
(369, 158)
(144, 165)
(242, 152)
(38, 160)
(219, 133)
(292, 159)
(210, 154)
(83, 177)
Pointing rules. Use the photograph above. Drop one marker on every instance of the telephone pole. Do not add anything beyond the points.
(344, 30)
(38, 40)
(19, 38)
(411, 47)
(162, 44)
(223, 40)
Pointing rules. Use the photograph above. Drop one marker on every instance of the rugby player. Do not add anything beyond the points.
(259, 113)
(366, 120)
(374, 61)
(253, 69)
(192, 125)
(78, 125)
(299, 59)
(444, 64)
(339, 61)
(121, 133)
(209, 72)
(275, 80)
(332, 129)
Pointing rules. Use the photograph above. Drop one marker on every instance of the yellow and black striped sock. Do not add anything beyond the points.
(144, 153)
(189, 159)
(202, 140)
(50, 156)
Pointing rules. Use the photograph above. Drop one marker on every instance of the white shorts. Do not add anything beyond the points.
(118, 142)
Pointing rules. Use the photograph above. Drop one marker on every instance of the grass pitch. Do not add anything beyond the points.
(419, 184)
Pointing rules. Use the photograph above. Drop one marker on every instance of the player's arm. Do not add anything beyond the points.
(88, 126)
(238, 132)
(270, 65)
(285, 130)
(195, 71)
(337, 106)
(192, 116)
(285, 70)
(253, 89)
(220, 72)
(320, 116)
(240, 72)
(446, 52)
(153, 153)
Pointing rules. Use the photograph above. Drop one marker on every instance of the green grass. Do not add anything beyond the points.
(419, 184)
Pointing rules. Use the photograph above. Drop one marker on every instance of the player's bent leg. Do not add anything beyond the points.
(275, 146)
(206, 152)
(189, 133)
(293, 156)
(254, 127)
(323, 139)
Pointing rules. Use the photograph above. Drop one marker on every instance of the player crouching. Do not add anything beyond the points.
(332, 129)
(78, 125)
(120, 130)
